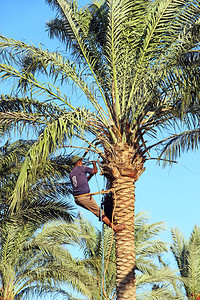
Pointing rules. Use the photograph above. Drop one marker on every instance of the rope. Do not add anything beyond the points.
(103, 271)
(110, 248)
(102, 241)
(102, 257)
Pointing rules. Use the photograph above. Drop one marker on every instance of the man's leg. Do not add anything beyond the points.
(89, 203)
(109, 223)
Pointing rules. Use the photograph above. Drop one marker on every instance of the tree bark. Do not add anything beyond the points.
(124, 212)
(7, 293)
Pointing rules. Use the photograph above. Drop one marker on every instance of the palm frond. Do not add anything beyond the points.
(39, 259)
(188, 140)
(46, 62)
(186, 254)
(77, 32)
(13, 154)
(43, 210)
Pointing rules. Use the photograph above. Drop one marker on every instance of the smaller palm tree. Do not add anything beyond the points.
(35, 260)
(154, 278)
(187, 256)
(151, 274)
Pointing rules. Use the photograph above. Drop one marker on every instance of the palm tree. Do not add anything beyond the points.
(187, 256)
(34, 260)
(137, 64)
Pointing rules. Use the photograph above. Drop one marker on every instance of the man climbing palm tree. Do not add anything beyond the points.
(81, 190)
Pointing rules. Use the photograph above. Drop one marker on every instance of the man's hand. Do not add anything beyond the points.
(94, 167)
(94, 171)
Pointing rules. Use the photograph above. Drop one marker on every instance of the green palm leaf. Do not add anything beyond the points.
(186, 254)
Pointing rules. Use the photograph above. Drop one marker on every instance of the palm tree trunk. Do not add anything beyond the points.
(123, 167)
(124, 211)
(7, 292)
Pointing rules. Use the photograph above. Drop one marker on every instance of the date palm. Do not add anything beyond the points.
(34, 260)
(153, 280)
(187, 255)
(137, 63)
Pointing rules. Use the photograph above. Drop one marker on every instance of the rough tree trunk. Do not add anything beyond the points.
(7, 295)
(7, 292)
(124, 212)
(122, 168)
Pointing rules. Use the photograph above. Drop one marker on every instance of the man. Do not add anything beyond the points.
(81, 190)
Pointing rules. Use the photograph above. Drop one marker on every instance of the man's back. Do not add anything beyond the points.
(79, 180)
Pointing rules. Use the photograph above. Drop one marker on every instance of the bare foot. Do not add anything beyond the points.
(119, 227)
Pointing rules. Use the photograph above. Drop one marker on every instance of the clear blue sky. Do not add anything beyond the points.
(170, 194)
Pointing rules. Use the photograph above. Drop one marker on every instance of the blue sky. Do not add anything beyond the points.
(170, 194)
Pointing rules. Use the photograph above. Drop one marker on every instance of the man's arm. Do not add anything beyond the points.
(94, 171)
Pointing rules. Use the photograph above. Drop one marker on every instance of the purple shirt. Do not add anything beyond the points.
(78, 177)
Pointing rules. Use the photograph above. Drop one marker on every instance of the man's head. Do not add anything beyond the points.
(76, 160)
